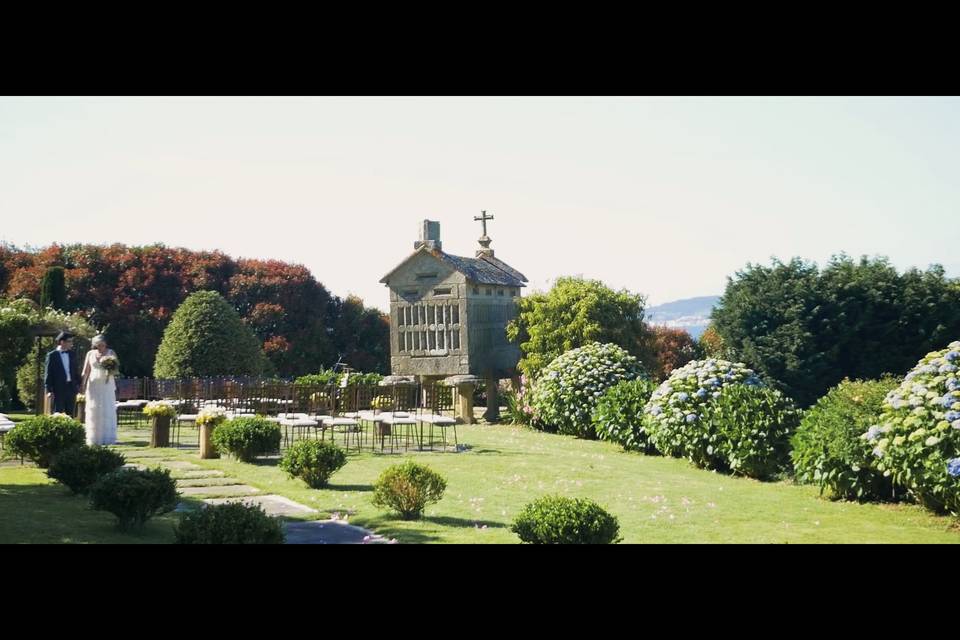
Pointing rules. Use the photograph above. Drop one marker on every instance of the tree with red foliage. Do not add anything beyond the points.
(133, 292)
(672, 348)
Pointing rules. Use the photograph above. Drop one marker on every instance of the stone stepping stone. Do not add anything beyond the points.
(207, 482)
(329, 532)
(229, 490)
(272, 504)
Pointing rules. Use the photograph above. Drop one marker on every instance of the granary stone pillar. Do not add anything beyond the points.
(492, 414)
(465, 385)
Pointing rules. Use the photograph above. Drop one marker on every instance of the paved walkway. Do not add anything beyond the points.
(214, 487)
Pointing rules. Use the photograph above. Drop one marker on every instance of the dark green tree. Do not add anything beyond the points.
(207, 337)
(53, 291)
(805, 329)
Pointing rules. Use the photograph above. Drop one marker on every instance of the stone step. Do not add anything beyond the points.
(207, 482)
(274, 505)
(229, 490)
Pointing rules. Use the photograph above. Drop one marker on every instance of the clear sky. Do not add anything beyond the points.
(664, 196)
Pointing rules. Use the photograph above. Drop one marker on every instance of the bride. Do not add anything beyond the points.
(101, 395)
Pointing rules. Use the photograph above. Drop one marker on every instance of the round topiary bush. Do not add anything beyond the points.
(134, 496)
(247, 438)
(79, 467)
(618, 414)
(561, 520)
(917, 440)
(207, 337)
(313, 461)
(674, 415)
(564, 395)
(42, 438)
(408, 488)
(828, 448)
(230, 523)
(752, 428)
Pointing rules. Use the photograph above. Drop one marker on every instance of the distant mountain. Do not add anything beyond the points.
(691, 314)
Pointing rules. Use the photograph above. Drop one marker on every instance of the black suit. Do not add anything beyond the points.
(55, 380)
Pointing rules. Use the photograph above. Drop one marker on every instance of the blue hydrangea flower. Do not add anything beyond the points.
(952, 355)
(948, 400)
(683, 396)
(873, 433)
(951, 416)
(955, 424)
(953, 467)
(878, 452)
(952, 384)
(701, 393)
(947, 368)
(656, 410)
(692, 417)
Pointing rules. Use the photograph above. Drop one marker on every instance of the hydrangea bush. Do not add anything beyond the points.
(917, 440)
(618, 415)
(564, 395)
(828, 449)
(675, 413)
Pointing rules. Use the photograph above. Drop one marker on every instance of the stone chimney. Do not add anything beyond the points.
(429, 236)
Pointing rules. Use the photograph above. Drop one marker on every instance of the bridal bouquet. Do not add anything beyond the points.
(110, 364)
(81, 398)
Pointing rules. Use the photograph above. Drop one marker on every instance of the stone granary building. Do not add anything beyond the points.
(448, 314)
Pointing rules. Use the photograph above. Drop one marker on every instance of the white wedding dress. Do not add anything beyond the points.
(101, 403)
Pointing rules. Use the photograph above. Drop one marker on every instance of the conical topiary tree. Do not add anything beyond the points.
(53, 289)
(207, 337)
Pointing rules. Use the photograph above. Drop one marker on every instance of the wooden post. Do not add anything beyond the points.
(160, 434)
(465, 402)
(206, 444)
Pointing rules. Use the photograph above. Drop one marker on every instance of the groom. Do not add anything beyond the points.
(61, 377)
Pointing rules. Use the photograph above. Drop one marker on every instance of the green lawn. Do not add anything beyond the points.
(656, 499)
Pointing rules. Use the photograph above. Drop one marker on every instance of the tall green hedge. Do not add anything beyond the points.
(207, 337)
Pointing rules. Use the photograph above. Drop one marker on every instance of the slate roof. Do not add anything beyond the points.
(484, 270)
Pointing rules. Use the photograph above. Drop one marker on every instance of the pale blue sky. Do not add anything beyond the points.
(663, 196)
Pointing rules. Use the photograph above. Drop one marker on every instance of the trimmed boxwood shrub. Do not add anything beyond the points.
(828, 449)
(753, 426)
(561, 520)
(134, 496)
(41, 438)
(247, 438)
(917, 441)
(674, 414)
(79, 467)
(313, 461)
(407, 489)
(567, 389)
(207, 337)
(618, 415)
(230, 523)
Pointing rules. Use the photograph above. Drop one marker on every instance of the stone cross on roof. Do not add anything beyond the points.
(484, 239)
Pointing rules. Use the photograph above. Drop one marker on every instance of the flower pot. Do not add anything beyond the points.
(160, 435)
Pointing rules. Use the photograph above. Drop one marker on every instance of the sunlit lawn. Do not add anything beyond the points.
(656, 499)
